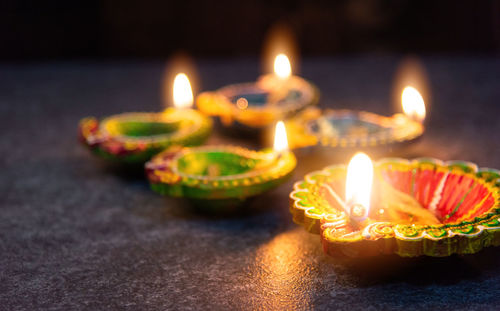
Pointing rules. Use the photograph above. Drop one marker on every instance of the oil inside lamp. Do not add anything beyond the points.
(183, 94)
(389, 203)
(400, 207)
(413, 104)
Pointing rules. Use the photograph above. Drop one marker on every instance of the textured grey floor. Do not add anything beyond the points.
(77, 234)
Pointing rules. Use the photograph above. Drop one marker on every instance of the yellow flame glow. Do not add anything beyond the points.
(183, 94)
(280, 138)
(413, 104)
(282, 67)
(359, 181)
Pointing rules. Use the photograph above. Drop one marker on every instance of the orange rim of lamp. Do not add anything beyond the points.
(260, 104)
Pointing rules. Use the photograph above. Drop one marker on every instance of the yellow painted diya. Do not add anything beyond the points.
(254, 106)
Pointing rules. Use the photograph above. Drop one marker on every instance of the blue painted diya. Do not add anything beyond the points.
(253, 106)
(339, 129)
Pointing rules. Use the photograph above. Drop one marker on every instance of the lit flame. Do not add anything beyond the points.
(359, 182)
(183, 95)
(280, 139)
(413, 104)
(282, 66)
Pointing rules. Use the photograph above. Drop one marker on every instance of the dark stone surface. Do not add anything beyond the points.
(77, 234)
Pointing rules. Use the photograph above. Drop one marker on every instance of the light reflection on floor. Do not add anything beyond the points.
(284, 273)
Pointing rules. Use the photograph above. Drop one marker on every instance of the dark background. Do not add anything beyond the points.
(41, 30)
(77, 234)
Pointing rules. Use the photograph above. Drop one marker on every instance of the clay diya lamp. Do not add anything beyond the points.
(136, 137)
(219, 177)
(340, 129)
(254, 106)
(418, 207)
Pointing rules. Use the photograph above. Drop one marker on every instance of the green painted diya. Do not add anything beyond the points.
(350, 129)
(136, 137)
(465, 200)
(253, 106)
(216, 176)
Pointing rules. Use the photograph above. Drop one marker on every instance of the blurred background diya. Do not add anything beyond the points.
(135, 137)
(410, 208)
(257, 105)
(221, 177)
(343, 128)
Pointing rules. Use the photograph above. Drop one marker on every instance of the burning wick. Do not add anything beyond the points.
(282, 67)
(280, 139)
(393, 205)
(413, 104)
(183, 94)
(357, 211)
(358, 188)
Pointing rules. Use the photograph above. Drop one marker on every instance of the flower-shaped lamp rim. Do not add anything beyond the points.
(464, 236)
